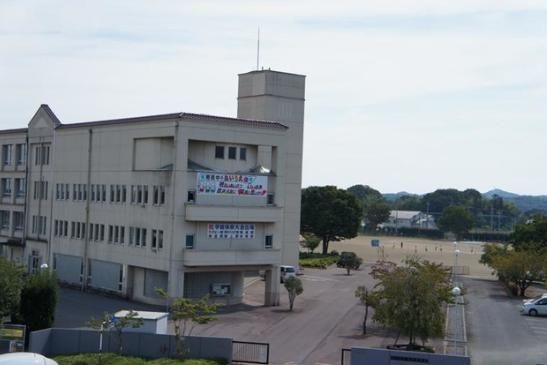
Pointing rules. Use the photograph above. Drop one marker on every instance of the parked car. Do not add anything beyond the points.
(287, 271)
(535, 306)
(25, 358)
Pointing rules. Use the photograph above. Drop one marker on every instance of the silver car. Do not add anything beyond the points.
(535, 306)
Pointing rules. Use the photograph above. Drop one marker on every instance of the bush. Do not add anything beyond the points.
(316, 260)
(38, 300)
(114, 359)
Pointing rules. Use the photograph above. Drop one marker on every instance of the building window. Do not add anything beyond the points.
(268, 241)
(21, 153)
(6, 186)
(139, 194)
(158, 195)
(191, 196)
(6, 154)
(157, 239)
(4, 219)
(41, 155)
(190, 241)
(232, 153)
(39, 224)
(270, 199)
(124, 193)
(18, 221)
(67, 191)
(243, 154)
(20, 187)
(219, 152)
(110, 234)
(40, 190)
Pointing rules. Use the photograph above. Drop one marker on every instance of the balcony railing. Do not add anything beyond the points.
(193, 257)
(221, 213)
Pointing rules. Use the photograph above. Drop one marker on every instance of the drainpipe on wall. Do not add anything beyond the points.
(87, 200)
(25, 205)
(173, 211)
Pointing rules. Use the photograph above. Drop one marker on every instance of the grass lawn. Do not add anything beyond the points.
(114, 359)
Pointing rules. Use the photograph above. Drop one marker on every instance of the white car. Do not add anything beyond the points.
(535, 306)
(286, 272)
(25, 358)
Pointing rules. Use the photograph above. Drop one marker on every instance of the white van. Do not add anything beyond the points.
(287, 271)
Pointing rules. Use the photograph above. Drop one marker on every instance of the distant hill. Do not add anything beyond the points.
(501, 193)
(524, 202)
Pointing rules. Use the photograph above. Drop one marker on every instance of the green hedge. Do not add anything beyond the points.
(114, 359)
(317, 260)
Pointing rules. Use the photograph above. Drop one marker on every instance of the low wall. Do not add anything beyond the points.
(59, 341)
(391, 357)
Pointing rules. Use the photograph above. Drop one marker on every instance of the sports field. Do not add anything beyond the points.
(434, 250)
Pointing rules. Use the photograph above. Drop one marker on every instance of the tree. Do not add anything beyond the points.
(520, 268)
(411, 297)
(38, 300)
(311, 241)
(455, 219)
(294, 288)
(110, 322)
(365, 192)
(11, 282)
(531, 235)
(186, 314)
(367, 298)
(349, 261)
(330, 213)
(375, 212)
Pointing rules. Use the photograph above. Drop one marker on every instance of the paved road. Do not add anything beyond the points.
(497, 332)
(326, 318)
(75, 308)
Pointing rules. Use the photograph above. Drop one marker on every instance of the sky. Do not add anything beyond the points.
(400, 94)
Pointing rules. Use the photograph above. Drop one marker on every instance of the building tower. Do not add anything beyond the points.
(279, 96)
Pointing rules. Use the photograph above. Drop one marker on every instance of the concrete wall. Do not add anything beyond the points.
(393, 357)
(57, 341)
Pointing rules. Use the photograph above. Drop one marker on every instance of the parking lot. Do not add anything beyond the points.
(497, 332)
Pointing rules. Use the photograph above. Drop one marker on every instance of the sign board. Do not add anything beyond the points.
(15, 333)
(231, 230)
(375, 243)
(231, 184)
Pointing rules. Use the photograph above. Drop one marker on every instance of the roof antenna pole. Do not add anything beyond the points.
(258, 50)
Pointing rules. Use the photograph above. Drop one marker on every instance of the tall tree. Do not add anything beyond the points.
(411, 297)
(330, 213)
(294, 288)
(375, 208)
(365, 192)
(455, 219)
(367, 299)
(520, 268)
(41, 287)
(11, 282)
(532, 234)
(186, 314)
(375, 212)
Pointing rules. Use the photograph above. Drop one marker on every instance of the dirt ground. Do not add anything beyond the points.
(441, 251)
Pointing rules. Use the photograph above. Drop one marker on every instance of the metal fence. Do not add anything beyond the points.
(250, 352)
(346, 357)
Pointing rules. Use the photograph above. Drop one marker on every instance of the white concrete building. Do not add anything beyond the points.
(185, 202)
(408, 219)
